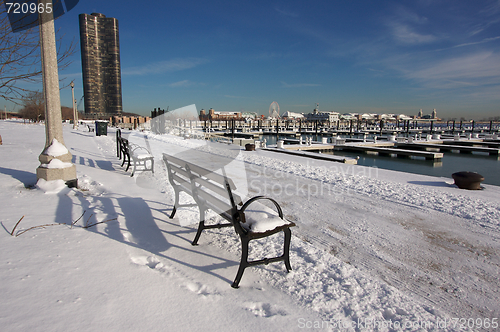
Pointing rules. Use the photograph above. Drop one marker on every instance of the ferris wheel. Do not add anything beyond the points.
(274, 110)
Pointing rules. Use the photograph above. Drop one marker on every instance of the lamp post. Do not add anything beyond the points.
(51, 169)
(75, 112)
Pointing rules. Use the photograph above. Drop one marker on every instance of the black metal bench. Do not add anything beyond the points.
(122, 149)
(216, 192)
(138, 155)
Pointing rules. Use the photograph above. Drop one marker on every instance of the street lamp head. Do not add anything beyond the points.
(72, 85)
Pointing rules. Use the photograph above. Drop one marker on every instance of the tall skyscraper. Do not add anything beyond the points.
(100, 48)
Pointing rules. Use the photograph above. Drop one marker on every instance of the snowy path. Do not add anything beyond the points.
(434, 252)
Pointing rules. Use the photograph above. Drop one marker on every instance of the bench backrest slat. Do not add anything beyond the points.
(218, 188)
(211, 175)
(207, 187)
(217, 204)
(179, 171)
(186, 183)
(173, 160)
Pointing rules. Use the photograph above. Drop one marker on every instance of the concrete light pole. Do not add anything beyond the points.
(75, 112)
(55, 159)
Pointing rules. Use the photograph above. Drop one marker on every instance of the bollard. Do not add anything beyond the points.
(280, 144)
(324, 140)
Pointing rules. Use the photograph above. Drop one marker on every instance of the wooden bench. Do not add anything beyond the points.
(132, 153)
(216, 192)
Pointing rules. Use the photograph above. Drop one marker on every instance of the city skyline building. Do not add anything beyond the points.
(100, 51)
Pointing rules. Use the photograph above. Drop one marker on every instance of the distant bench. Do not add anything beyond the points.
(216, 192)
(138, 155)
(91, 128)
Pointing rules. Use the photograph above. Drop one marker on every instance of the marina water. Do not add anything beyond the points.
(487, 166)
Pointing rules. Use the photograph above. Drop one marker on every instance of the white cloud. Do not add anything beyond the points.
(485, 40)
(183, 83)
(164, 66)
(285, 12)
(297, 85)
(407, 35)
(478, 69)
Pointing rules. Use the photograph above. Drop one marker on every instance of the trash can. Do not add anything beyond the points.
(101, 128)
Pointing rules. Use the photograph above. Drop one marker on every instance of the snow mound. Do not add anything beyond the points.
(56, 163)
(85, 183)
(52, 187)
(56, 149)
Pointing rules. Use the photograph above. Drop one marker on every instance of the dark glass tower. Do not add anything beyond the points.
(100, 48)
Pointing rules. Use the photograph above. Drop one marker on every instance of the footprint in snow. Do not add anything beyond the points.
(199, 288)
(150, 261)
(261, 309)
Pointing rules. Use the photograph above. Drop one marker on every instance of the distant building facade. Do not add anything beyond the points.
(432, 116)
(219, 116)
(316, 115)
(292, 116)
(100, 50)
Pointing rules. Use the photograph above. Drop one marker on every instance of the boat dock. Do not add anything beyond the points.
(495, 144)
(389, 151)
(449, 147)
(314, 155)
(380, 149)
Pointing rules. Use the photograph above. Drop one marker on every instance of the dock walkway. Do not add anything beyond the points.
(391, 151)
(449, 147)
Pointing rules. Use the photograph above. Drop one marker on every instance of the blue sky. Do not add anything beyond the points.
(348, 56)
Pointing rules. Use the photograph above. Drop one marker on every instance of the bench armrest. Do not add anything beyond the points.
(134, 148)
(253, 199)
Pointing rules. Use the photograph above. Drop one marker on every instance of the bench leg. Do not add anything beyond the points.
(175, 204)
(243, 262)
(201, 227)
(128, 163)
(286, 248)
(133, 169)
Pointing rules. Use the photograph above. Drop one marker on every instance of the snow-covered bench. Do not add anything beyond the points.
(252, 220)
(133, 154)
(141, 157)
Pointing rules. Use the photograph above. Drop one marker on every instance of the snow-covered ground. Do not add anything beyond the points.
(373, 249)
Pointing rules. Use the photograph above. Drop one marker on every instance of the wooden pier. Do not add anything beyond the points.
(380, 149)
(314, 155)
(389, 151)
(449, 147)
(484, 143)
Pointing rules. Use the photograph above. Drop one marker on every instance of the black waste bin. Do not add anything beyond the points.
(101, 128)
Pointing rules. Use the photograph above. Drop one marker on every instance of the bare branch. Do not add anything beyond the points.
(12, 233)
(20, 59)
(40, 226)
(100, 222)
